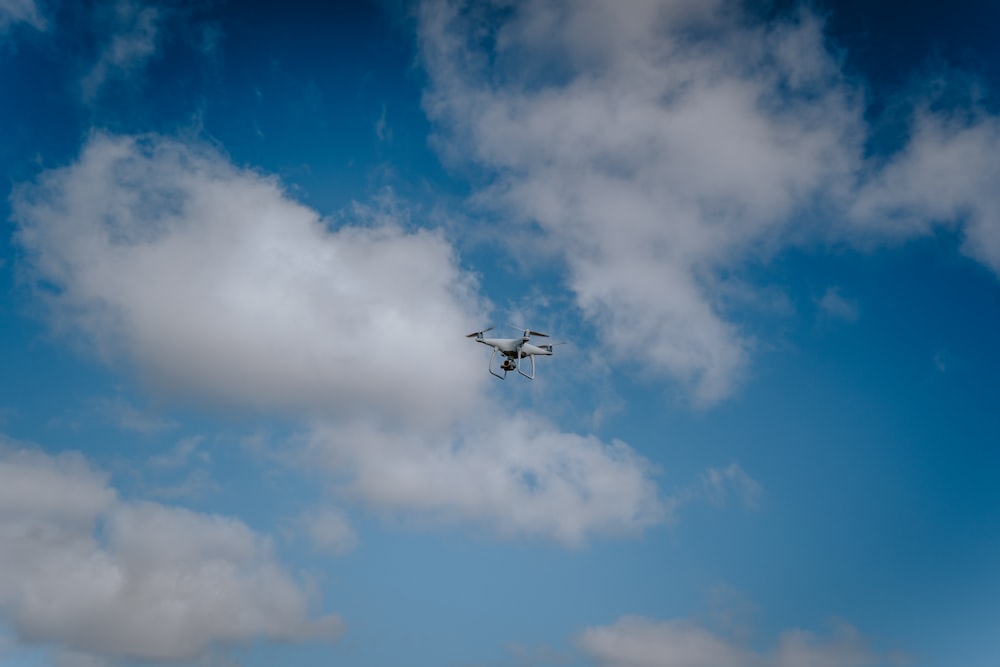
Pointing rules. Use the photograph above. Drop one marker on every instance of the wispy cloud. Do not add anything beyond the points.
(13, 12)
(720, 484)
(180, 454)
(198, 483)
(835, 305)
(382, 129)
(189, 459)
(944, 177)
(122, 413)
(134, 37)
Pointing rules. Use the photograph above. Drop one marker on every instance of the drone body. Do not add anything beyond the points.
(513, 350)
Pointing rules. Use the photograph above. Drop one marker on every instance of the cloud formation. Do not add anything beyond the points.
(516, 474)
(216, 285)
(650, 159)
(945, 176)
(99, 576)
(660, 150)
(634, 641)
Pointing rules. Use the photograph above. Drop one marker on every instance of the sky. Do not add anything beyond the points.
(242, 244)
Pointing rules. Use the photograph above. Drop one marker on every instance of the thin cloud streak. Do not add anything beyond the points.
(134, 40)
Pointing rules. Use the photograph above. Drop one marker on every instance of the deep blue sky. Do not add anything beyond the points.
(242, 243)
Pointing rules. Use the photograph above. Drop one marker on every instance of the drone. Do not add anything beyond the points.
(514, 350)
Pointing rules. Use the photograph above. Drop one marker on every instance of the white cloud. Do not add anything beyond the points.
(134, 36)
(662, 149)
(639, 642)
(946, 175)
(94, 575)
(217, 286)
(37, 487)
(634, 641)
(20, 11)
(514, 473)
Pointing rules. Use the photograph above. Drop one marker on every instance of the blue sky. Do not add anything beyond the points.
(239, 421)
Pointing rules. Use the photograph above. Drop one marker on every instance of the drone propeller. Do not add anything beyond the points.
(530, 332)
(479, 333)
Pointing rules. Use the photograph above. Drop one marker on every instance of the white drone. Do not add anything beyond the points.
(514, 349)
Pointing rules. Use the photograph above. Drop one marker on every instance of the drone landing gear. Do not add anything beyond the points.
(512, 365)
(503, 366)
(531, 358)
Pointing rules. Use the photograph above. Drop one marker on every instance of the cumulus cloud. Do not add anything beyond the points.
(104, 578)
(516, 474)
(216, 285)
(20, 11)
(660, 150)
(634, 641)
